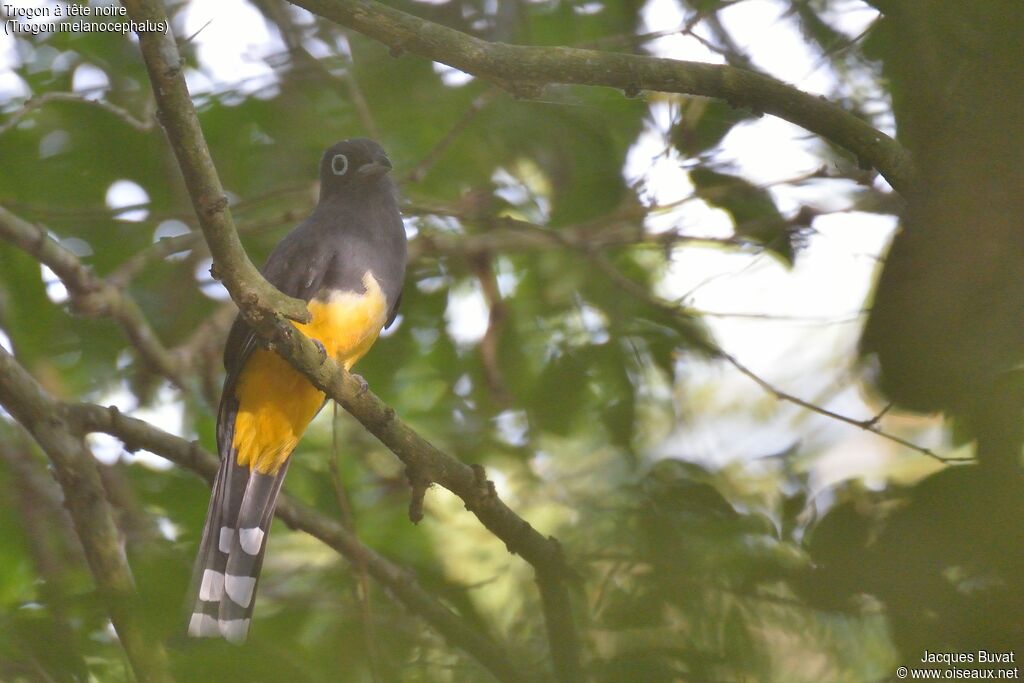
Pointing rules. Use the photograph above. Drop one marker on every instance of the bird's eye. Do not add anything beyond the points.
(339, 164)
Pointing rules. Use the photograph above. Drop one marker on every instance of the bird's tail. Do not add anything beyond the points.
(231, 552)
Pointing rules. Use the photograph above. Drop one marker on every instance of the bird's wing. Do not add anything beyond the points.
(393, 313)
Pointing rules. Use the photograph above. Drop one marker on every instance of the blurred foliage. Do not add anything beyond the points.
(751, 208)
(686, 572)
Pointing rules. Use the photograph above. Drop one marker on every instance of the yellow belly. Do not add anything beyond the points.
(275, 402)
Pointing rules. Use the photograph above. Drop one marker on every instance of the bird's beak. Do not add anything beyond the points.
(379, 166)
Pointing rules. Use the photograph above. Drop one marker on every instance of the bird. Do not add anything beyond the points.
(347, 261)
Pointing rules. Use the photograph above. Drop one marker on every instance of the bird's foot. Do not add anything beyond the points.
(323, 351)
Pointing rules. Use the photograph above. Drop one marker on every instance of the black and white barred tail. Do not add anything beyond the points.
(231, 551)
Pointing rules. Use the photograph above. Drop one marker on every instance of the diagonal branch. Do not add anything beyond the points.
(143, 125)
(398, 581)
(75, 470)
(60, 427)
(91, 295)
(178, 117)
(49, 533)
(250, 291)
(448, 139)
(526, 69)
(496, 235)
(362, 587)
(508, 235)
(276, 11)
(166, 246)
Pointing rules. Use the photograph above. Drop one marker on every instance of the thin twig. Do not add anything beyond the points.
(497, 312)
(506, 235)
(274, 10)
(733, 53)
(359, 100)
(201, 353)
(91, 295)
(781, 317)
(167, 246)
(437, 151)
(142, 125)
(362, 588)
(870, 424)
(636, 39)
(525, 70)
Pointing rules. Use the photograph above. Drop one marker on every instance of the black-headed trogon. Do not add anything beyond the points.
(348, 261)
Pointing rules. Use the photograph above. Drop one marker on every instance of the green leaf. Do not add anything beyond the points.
(752, 209)
(703, 123)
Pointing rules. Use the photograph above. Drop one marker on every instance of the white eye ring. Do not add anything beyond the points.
(339, 164)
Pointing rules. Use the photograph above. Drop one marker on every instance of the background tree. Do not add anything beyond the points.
(538, 343)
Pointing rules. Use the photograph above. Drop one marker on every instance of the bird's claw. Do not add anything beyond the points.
(323, 351)
(363, 386)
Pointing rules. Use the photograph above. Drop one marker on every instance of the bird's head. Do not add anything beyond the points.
(352, 164)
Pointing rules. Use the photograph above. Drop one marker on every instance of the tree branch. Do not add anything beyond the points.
(869, 424)
(437, 151)
(165, 246)
(75, 470)
(48, 529)
(399, 582)
(498, 235)
(525, 70)
(294, 37)
(483, 269)
(60, 427)
(507, 235)
(361, 588)
(143, 125)
(91, 295)
(249, 290)
(178, 117)
(467, 482)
